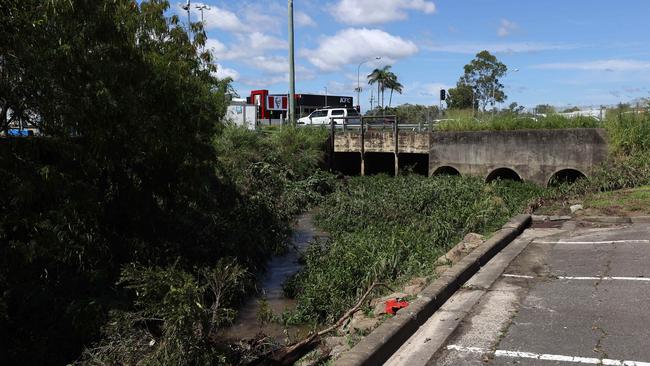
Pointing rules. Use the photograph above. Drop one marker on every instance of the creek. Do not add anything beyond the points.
(279, 270)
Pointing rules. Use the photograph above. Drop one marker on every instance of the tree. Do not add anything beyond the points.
(461, 97)
(125, 175)
(571, 109)
(544, 109)
(394, 85)
(380, 77)
(515, 108)
(483, 74)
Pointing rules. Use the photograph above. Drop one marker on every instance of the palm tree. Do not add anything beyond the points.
(379, 77)
(394, 86)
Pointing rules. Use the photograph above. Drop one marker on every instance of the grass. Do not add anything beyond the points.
(462, 121)
(389, 229)
(625, 202)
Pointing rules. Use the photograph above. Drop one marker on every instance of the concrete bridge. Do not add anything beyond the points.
(539, 156)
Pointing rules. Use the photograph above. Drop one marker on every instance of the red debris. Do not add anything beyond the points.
(393, 305)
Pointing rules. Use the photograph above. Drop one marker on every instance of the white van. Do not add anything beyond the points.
(323, 116)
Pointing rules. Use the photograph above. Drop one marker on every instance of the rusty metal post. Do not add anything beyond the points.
(396, 133)
(363, 149)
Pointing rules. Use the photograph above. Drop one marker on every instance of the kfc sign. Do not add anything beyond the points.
(345, 100)
(276, 102)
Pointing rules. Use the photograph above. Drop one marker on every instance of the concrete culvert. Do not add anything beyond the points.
(503, 174)
(565, 176)
(446, 170)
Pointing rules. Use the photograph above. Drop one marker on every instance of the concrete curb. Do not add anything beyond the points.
(379, 345)
(616, 219)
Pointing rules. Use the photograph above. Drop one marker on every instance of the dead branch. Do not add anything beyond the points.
(288, 355)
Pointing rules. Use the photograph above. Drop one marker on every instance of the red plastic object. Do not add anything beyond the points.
(393, 305)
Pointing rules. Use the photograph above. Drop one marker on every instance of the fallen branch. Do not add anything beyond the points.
(288, 355)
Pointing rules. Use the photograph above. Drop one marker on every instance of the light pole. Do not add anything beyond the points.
(325, 96)
(292, 72)
(201, 8)
(359, 82)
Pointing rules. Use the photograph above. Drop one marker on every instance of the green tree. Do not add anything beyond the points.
(571, 109)
(483, 74)
(380, 77)
(125, 175)
(394, 85)
(545, 109)
(461, 97)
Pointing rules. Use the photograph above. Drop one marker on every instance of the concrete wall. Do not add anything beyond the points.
(382, 141)
(535, 155)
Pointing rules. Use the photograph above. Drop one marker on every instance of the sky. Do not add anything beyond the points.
(559, 52)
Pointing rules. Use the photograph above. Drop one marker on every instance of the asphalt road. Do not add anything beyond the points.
(574, 295)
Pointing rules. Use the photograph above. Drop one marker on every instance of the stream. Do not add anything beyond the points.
(279, 270)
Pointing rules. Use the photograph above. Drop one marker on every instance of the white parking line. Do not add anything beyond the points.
(633, 241)
(548, 357)
(588, 278)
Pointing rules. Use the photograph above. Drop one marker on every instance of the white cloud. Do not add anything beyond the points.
(214, 46)
(357, 44)
(247, 46)
(377, 11)
(506, 28)
(510, 47)
(271, 64)
(598, 65)
(224, 72)
(429, 89)
(304, 20)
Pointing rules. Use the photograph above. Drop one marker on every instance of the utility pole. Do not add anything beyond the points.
(325, 97)
(189, 27)
(292, 71)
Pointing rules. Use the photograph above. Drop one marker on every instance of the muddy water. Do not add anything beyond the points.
(280, 268)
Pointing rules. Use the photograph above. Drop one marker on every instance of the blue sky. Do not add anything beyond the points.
(569, 52)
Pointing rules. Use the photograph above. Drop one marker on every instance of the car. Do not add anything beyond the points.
(324, 116)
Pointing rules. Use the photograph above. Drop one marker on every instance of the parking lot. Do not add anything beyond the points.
(575, 294)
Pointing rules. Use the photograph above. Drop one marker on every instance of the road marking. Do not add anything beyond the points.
(589, 278)
(644, 241)
(548, 357)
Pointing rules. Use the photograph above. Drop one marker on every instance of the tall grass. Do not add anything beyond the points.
(463, 121)
(384, 229)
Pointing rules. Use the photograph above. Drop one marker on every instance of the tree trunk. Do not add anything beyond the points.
(390, 99)
(378, 89)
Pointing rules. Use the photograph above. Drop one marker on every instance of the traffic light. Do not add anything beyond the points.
(443, 94)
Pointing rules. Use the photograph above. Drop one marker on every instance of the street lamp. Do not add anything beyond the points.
(359, 83)
(201, 8)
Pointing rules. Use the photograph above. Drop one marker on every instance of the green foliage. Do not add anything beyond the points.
(461, 97)
(277, 170)
(483, 74)
(175, 318)
(384, 228)
(408, 113)
(544, 109)
(515, 122)
(383, 78)
(125, 175)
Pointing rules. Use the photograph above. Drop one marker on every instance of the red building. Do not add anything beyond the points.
(274, 106)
